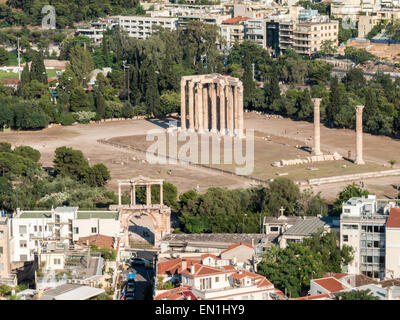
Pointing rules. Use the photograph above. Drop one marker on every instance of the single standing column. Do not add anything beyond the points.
(359, 135)
(221, 108)
(230, 108)
(161, 194)
(191, 106)
(199, 107)
(235, 111)
(148, 194)
(317, 135)
(240, 110)
(119, 194)
(134, 194)
(183, 104)
(213, 109)
(131, 195)
(205, 107)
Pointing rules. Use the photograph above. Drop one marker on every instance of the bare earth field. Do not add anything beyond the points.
(125, 164)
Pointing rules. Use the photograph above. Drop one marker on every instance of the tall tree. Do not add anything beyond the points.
(38, 70)
(152, 98)
(335, 101)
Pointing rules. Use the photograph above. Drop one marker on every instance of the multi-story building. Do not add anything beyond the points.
(142, 27)
(62, 226)
(5, 252)
(254, 30)
(392, 241)
(368, 21)
(232, 30)
(362, 226)
(217, 278)
(95, 30)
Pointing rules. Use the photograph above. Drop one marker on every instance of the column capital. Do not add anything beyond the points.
(359, 108)
(191, 84)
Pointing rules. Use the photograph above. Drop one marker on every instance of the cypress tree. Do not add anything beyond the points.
(248, 84)
(152, 97)
(371, 105)
(100, 105)
(38, 70)
(25, 77)
(335, 101)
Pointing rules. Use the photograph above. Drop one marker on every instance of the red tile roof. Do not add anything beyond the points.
(181, 293)
(335, 275)
(233, 246)
(259, 280)
(174, 266)
(200, 270)
(330, 284)
(393, 220)
(229, 268)
(314, 297)
(234, 20)
(98, 240)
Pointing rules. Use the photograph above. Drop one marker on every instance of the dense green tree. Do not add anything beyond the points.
(81, 64)
(357, 295)
(97, 175)
(38, 70)
(5, 147)
(335, 101)
(79, 100)
(284, 193)
(152, 98)
(305, 106)
(70, 163)
(27, 152)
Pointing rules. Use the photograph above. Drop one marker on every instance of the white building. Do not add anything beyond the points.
(362, 226)
(63, 225)
(142, 27)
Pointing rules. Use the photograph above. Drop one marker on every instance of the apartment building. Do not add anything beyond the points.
(232, 30)
(63, 225)
(5, 252)
(368, 21)
(205, 18)
(142, 27)
(392, 240)
(95, 31)
(362, 226)
(255, 31)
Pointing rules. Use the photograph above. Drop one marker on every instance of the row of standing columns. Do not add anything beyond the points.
(133, 194)
(213, 106)
(359, 131)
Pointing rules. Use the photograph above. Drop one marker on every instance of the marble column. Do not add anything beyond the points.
(183, 104)
(213, 109)
(221, 93)
(359, 135)
(148, 194)
(235, 110)
(230, 108)
(240, 110)
(199, 107)
(205, 108)
(191, 106)
(317, 134)
(134, 195)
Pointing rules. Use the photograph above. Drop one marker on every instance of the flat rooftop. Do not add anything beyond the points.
(308, 226)
(44, 214)
(221, 238)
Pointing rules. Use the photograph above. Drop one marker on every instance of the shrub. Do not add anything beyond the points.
(67, 119)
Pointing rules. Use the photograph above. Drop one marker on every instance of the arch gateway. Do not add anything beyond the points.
(159, 213)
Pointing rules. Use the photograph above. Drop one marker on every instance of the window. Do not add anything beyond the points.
(23, 244)
(1, 235)
(22, 229)
(35, 228)
(1, 250)
(51, 228)
(76, 230)
(274, 229)
(40, 228)
(363, 244)
(94, 230)
(205, 284)
(57, 261)
(216, 279)
(345, 238)
(350, 226)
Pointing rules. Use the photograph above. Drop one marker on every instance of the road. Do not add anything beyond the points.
(143, 275)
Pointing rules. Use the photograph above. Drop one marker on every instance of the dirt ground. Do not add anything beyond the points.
(123, 164)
